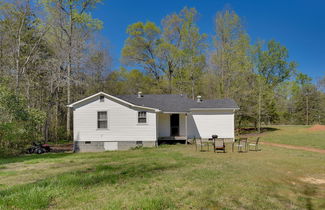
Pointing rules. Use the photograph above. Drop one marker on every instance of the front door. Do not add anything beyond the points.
(174, 125)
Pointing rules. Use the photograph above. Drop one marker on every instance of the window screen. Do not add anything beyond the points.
(142, 117)
(102, 120)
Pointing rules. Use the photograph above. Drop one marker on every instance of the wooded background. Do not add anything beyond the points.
(52, 54)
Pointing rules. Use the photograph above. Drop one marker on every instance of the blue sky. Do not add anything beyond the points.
(297, 24)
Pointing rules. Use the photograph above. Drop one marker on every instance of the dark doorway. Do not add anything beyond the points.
(174, 125)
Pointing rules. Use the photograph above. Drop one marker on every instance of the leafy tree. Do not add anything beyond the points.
(307, 101)
(273, 64)
(231, 69)
(183, 49)
(140, 48)
(174, 52)
(19, 125)
(273, 68)
(70, 21)
(230, 59)
(22, 39)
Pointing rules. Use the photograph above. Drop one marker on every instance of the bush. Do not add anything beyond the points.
(19, 125)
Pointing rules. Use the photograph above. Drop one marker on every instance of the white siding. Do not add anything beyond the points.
(122, 122)
(182, 130)
(164, 125)
(204, 124)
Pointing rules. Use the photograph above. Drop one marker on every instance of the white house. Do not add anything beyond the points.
(105, 122)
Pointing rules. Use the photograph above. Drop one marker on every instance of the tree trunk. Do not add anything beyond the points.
(170, 72)
(69, 75)
(192, 89)
(307, 110)
(259, 107)
(56, 116)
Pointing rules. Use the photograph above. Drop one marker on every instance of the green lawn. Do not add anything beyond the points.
(168, 177)
(296, 135)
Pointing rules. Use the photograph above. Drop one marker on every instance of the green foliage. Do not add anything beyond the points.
(58, 58)
(303, 79)
(19, 125)
(141, 45)
(183, 51)
(174, 54)
(272, 63)
(308, 106)
(130, 82)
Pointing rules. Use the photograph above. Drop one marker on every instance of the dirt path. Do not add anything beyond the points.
(295, 147)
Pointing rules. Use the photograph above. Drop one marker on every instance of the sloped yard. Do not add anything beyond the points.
(309, 136)
(168, 177)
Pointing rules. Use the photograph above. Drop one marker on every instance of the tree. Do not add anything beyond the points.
(24, 36)
(308, 101)
(19, 125)
(70, 23)
(183, 50)
(231, 65)
(272, 67)
(141, 46)
(230, 58)
(174, 52)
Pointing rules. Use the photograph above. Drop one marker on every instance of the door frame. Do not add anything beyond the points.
(174, 126)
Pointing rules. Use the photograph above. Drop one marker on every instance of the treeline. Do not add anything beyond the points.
(51, 54)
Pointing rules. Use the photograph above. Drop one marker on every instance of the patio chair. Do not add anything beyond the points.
(199, 143)
(254, 144)
(242, 145)
(219, 145)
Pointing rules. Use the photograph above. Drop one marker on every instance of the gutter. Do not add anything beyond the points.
(114, 98)
(214, 109)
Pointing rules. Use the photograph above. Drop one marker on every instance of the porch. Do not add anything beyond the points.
(172, 127)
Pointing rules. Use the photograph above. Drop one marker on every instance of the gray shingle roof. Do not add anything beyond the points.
(177, 103)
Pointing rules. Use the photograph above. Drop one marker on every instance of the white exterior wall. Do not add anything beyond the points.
(164, 125)
(204, 124)
(122, 122)
(182, 123)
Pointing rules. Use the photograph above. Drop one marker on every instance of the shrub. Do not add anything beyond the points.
(19, 125)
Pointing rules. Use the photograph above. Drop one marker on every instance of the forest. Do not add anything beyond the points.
(52, 54)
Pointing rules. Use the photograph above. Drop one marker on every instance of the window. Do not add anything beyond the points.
(101, 98)
(87, 142)
(142, 117)
(102, 120)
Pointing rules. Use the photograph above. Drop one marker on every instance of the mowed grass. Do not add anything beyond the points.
(168, 177)
(296, 135)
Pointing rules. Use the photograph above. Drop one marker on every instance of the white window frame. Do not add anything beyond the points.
(107, 120)
(146, 117)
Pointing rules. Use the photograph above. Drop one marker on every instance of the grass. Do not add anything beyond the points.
(168, 177)
(296, 135)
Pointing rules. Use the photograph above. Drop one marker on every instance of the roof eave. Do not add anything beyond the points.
(234, 109)
(112, 97)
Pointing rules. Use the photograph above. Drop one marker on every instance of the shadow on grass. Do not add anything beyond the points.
(6, 160)
(309, 192)
(40, 194)
(253, 131)
(307, 195)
